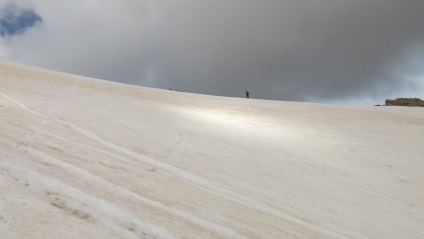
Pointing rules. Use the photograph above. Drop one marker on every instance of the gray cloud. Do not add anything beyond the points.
(326, 50)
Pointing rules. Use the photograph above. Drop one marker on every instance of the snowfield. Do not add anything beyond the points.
(86, 158)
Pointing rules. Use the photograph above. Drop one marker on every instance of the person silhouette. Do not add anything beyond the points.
(247, 94)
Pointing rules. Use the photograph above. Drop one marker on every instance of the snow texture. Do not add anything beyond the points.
(86, 158)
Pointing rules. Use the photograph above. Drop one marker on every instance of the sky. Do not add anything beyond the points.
(349, 52)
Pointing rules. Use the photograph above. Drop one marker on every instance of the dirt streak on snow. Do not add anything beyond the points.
(85, 158)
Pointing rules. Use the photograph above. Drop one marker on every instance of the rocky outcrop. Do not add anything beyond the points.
(412, 102)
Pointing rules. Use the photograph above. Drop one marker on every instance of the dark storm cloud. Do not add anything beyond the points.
(315, 50)
(294, 50)
(15, 20)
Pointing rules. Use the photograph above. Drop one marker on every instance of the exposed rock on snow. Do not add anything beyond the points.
(414, 102)
(85, 158)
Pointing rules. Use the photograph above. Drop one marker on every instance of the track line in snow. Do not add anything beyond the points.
(203, 182)
(39, 126)
(84, 206)
(87, 176)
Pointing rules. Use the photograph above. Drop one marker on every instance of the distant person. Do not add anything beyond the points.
(247, 94)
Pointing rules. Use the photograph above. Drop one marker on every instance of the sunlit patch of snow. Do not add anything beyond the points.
(241, 124)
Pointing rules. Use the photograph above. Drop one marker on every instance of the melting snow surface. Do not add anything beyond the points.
(85, 158)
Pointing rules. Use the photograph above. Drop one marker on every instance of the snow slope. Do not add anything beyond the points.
(85, 158)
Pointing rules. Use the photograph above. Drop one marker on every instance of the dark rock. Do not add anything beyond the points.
(411, 102)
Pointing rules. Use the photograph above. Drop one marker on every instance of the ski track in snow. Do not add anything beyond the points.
(80, 204)
(87, 176)
(39, 126)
